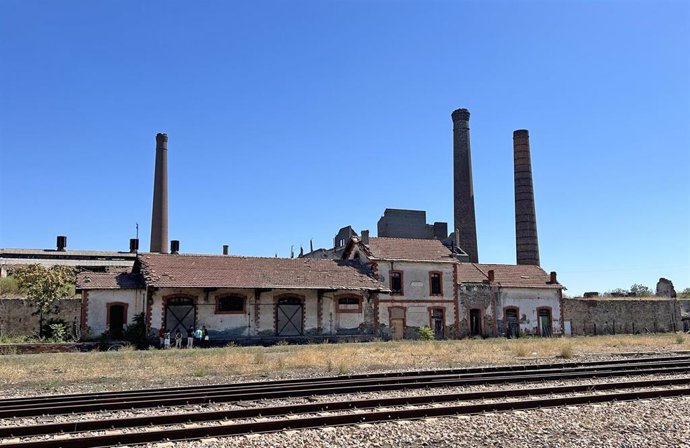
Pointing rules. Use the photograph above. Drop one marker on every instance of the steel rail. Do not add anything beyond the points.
(283, 384)
(335, 379)
(206, 416)
(370, 416)
(328, 389)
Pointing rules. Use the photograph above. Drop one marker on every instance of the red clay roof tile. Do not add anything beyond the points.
(217, 271)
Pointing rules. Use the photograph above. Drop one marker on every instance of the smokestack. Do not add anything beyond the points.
(133, 245)
(226, 249)
(61, 243)
(527, 243)
(159, 218)
(463, 194)
(174, 246)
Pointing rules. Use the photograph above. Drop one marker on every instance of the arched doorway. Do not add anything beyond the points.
(512, 322)
(180, 314)
(117, 318)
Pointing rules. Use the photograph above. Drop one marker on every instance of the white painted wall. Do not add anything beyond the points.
(527, 300)
(241, 325)
(97, 306)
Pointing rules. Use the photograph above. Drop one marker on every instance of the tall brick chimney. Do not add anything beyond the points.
(527, 243)
(463, 191)
(159, 217)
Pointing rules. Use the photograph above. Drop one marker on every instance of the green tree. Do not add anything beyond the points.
(685, 294)
(641, 290)
(44, 287)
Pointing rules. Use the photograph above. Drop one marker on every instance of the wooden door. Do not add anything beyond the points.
(397, 328)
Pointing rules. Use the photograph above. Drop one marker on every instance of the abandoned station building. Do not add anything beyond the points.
(412, 275)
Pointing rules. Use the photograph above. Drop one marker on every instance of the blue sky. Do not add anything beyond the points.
(290, 119)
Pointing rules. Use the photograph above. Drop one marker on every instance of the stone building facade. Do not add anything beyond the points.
(508, 300)
(420, 277)
(233, 297)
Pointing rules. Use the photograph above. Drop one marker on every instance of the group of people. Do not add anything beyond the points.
(198, 337)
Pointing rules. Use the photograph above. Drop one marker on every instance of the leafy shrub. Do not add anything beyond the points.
(425, 333)
(136, 331)
(55, 329)
(8, 285)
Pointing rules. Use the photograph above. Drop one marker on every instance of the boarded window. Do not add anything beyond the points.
(349, 304)
(230, 304)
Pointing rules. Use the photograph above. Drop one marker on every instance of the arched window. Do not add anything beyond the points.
(231, 304)
(349, 304)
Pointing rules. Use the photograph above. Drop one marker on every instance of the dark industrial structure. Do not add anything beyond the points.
(527, 244)
(465, 226)
(159, 218)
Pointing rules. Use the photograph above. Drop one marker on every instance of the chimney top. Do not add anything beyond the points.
(160, 137)
(133, 245)
(552, 278)
(521, 133)
(460, 115)
(365, 236)
(226, 249)
(491, 275)
(174, 246)
(61, 243)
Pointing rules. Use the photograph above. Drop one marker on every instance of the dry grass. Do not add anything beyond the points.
(129, 368)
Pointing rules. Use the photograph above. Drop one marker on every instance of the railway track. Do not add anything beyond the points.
(309, 415)
(110, 401)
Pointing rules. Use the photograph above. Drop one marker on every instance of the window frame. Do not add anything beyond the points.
(401, 291)
(220, 298)
(348, 310)
(431, 283)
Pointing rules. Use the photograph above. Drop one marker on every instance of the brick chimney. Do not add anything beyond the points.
(133, 245)
(526, 241)
(174, 246)
(159, 217)
(226, 249)
(61, 243)
(463, 190)
(365, 237)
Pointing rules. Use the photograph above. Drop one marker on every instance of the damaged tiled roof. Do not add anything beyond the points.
(109, 280)
(409, 249)
(470, 273)
(510, 275)
(222, 271)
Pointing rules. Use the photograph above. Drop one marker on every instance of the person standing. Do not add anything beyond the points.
(161, 337)
(204, 336)
(166, 341)
(190, 336)
(178, 339)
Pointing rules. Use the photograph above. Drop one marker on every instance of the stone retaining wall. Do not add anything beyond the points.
(17, 319)
(626, 315)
